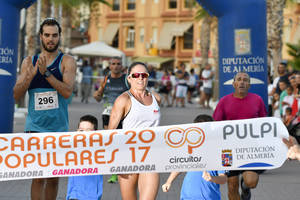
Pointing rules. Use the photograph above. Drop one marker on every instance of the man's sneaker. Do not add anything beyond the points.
(246, 193)
(113, 179)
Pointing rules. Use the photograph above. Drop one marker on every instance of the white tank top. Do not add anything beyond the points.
(141, 116)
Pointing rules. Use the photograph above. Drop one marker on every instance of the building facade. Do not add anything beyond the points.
(162, 32)
(165, 32)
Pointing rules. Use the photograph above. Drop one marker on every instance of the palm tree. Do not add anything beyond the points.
(274, 31)
(68, 8)
(31, 35)
(46, 9)
(205, 31)
(294, 52)
(208, 26)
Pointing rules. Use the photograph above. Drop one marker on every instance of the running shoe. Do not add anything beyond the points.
(113, 179)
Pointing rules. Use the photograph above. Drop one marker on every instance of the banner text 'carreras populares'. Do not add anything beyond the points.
(226, 145)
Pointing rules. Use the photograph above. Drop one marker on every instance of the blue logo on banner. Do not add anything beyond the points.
(257, 164)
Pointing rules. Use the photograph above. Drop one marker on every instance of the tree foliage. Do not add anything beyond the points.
(294, 52)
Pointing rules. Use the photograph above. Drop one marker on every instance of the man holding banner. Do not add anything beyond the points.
(240, 105)
(139, 108)
(49, 78)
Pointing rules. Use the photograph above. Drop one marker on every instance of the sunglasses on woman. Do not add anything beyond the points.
(139, 74)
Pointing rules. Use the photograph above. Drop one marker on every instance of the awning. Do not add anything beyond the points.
(96, 49)
(128, 24)
(110, 33)
(165, 38)
(169, 30)
(153, 60)
(180, 28)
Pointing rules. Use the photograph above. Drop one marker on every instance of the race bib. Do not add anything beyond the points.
(107, 110)
(45, 100)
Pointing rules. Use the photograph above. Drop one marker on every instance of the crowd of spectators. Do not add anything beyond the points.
(284, 96)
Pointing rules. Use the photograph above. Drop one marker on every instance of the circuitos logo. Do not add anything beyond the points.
(176, 137)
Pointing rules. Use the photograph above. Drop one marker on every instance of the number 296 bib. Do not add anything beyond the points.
(45, 100)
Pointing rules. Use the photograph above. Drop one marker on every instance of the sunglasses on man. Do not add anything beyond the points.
(139, 74)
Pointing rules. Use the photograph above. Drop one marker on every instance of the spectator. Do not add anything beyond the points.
(192, 84)
(166, 87)
(275, 106)
(181, 88)
(86, 82)
(296, 94)
(282, 85)
(287, 118)
(207, 78)
(270, 96)
(174, 82)
(152, 78)
(282, 76)
(288, 99)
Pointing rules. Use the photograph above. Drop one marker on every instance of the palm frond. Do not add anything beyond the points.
(294, 52)
(201, 13)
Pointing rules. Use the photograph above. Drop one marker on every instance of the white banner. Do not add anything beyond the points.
(226, 145)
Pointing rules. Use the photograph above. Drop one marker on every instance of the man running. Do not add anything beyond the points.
(240, 105)
(110, 88)
(49, 78)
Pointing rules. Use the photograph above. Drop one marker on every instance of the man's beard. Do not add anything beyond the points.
(52, 49)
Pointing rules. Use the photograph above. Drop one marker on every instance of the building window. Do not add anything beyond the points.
(115, 42)
(131, 5)
(116, 5)
(130, 37)
(142, 34)
(188, 3)
(173, 43)
(188, 39)
(154, 35)
(172, 4)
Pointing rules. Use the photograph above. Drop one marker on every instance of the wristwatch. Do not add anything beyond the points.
(47, 74)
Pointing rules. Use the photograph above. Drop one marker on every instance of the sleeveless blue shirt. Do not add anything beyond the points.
(47, 109)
